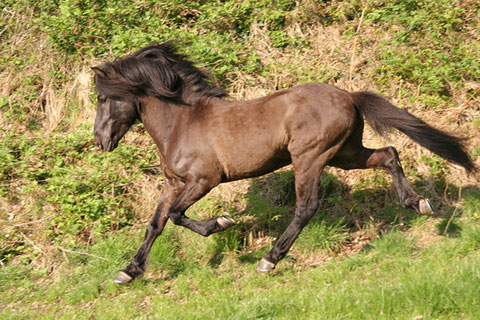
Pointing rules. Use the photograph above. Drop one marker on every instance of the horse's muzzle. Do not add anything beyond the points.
(108, 145)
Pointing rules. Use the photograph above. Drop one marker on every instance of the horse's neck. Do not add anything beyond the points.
(160, 120)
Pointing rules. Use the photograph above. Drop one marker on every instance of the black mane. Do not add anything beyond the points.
(156, 70)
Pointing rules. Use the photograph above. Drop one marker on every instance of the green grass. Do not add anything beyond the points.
(191, 277)
(392, 279)
(71, 217)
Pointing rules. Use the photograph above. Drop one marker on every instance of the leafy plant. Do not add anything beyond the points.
(87, 193)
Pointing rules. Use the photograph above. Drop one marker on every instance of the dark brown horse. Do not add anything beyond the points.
(205, 140)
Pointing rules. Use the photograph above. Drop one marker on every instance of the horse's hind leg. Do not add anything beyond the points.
(355, 156)
(308, 169)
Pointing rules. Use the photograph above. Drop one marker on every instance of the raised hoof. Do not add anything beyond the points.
(122, 277)
(265, 266)
(425, 206)
(225, 222)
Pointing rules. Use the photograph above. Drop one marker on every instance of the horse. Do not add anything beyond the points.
(205, 139)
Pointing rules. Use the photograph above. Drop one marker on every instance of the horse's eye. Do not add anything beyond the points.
(102, 99)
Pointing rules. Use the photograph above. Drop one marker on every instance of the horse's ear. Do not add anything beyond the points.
(99, 72)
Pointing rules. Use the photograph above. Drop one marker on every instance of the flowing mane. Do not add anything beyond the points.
(156, 70)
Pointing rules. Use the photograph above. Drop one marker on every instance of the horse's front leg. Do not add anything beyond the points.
(136, 268)
(176, 199)
(194, 189)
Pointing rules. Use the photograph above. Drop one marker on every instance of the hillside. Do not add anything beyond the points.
(66, 207)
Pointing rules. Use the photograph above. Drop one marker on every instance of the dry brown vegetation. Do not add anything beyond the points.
(46, 93)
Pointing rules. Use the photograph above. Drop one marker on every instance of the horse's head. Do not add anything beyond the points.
(115, 114)
(154, 71)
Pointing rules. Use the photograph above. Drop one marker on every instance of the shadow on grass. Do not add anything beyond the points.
(342, 211)
(271, 203)
(450, 226)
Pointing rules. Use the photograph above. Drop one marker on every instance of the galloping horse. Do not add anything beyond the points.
(204, 139)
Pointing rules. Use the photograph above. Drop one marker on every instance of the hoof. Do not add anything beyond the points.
(225, 222)
(265, 266)
(425, 206)
(122, 277)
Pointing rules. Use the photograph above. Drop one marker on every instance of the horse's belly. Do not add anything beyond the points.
(250, 164)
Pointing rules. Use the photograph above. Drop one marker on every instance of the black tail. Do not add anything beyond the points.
(380, 114)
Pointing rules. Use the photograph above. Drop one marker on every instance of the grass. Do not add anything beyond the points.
(391, 279)
(411, 270)
(71, 217)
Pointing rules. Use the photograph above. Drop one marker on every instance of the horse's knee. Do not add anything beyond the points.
(175, 217)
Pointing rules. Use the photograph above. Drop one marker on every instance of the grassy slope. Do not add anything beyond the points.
(65, 207)
(393, 279)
